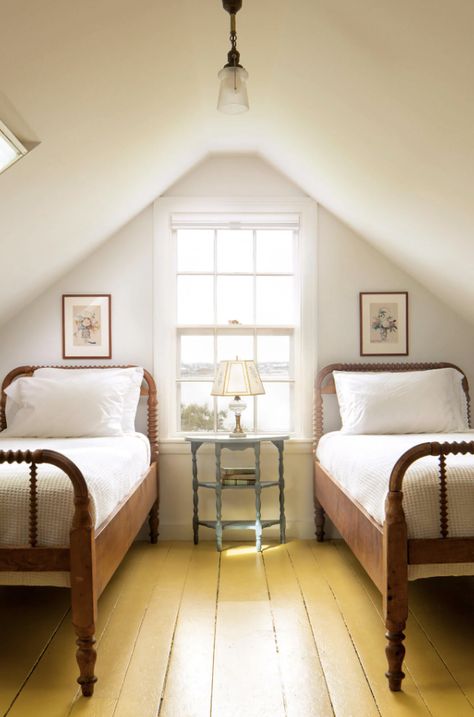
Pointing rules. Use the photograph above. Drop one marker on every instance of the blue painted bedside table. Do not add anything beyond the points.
(249, 478)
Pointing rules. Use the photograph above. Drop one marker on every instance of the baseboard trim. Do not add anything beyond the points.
(294, 529)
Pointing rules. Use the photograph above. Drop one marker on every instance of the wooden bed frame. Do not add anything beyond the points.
(92, 555)
(384, 550)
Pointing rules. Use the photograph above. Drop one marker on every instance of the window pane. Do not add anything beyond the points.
(195, 300)
(196, 406)
(195, 249)
(275, 250)
(275, 300)
(235, 250)
(228, 347)
(227, 417)
(235, 299)
(273, 355)
(197, 356)
(273, 409)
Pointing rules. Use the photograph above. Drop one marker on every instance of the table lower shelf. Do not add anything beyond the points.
(237, 523)
(263, 484)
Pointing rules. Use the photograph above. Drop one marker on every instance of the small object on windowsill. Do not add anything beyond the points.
(234, 322)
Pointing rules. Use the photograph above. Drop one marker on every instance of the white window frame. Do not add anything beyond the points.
(164, 264)
(7, 136)
(248, 330)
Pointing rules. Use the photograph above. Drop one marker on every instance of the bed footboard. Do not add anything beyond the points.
(78, 558)
(399, 551)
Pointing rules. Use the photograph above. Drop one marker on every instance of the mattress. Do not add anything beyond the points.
(112, 468)
(362, 465)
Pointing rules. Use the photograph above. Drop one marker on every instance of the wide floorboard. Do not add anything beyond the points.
(185, 631)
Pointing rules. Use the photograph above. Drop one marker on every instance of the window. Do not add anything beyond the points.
(232, 283)
(235, 296)
(11, 148)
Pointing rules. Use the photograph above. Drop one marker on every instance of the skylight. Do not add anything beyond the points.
(11, 148)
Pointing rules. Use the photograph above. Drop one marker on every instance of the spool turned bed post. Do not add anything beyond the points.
(152, 430)
(395, 566)
(395, 586)
(319, 520)
(153, 522)
(83, 579)
(318, 419)
(83, 593)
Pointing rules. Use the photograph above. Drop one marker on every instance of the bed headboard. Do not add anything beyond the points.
(324, 384)
(148, 390)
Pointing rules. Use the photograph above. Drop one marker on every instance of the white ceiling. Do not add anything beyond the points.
(368, 105)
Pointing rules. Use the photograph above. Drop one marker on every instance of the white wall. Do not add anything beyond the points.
(234, 175)
(346, 265)
(122, 266)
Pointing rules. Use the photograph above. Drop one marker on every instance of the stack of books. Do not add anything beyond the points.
(238, 476)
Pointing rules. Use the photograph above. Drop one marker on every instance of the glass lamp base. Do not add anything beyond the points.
(237, 406)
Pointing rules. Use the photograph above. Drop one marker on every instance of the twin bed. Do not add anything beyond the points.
(397, 480)
(69, 517)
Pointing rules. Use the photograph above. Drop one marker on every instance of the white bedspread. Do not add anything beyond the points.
(362, 465)
(112, 467)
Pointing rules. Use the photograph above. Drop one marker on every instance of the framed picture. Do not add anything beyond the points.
(384, 323)
(87, 326)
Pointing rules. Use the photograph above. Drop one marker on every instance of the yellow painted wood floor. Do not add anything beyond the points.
(186, 632)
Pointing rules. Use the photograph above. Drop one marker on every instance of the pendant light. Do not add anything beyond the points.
(233, 77)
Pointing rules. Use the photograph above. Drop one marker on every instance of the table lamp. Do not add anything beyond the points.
(237, 378)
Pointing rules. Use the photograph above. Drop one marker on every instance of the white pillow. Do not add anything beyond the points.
(11, 407)
(65, 409)
(132, 397)
(406, 402)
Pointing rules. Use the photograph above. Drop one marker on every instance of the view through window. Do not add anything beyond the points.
(236, 296)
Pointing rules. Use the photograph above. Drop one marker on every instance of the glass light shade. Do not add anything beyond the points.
(237, 378)
(233, 90)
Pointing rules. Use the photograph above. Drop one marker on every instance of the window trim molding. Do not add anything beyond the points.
(164, 298)
(10, 138)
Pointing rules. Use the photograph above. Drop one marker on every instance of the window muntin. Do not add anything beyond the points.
(244, 305)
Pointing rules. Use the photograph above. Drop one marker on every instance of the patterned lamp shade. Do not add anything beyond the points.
(237, 378)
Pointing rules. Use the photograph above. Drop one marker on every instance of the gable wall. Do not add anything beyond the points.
(347, 264)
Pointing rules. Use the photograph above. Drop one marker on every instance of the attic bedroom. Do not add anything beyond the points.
(236, 331)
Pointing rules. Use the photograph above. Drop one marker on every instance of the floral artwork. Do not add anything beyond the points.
(384, 323)
(86, 326)
(383, 326)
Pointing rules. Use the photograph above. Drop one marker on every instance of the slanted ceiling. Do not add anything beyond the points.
(368, 105)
